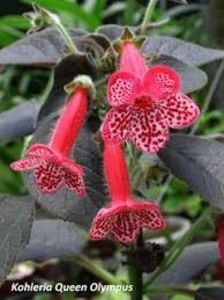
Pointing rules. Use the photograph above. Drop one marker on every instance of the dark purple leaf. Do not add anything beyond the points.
(16, 218)
(200, 163)
(112, 31)
(65, 71)
(184, 51)
(192, 261)
(19, 121)
(210, 293)
(180, 1)
(43, 48)
(53, 239)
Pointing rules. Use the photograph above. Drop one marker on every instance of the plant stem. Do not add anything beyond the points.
(147, 16)
(65, 35)
(55, 21)
(135, 274)
(85, 262)
(170, 290)
(139, 274)
(153, 25)
(131, 276)
(194, 129)
(179, 246)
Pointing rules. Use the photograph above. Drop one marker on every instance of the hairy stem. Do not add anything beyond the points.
(55, 21)
(135, 275)
(68, 40)
(147, 16)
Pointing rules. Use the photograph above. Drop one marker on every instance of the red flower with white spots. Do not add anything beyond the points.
(51, 165)
(124, 217)
(145, 103)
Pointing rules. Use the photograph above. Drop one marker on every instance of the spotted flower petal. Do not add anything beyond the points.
(49, 177)
(125, 226)
(149, 215)
(72, 166)
(123, 223)
(40, 150)
(26, 163)
(160, 82)
(122, 87)
(74, 182)
(149, 131)
(101, 226)
(116, 125)
(179, 111)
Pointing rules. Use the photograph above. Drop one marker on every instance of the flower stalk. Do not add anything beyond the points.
(148, 15)
(136, 274)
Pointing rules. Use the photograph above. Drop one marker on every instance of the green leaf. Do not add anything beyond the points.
(6, 37)
(173, 204)
(90, 20)
(16, 216)
(68, 296)
(99, 8)
(193, 205)
(184, 51)
(15, 21)
(182, 297)
(114, 9)
(200, 163)
(43, 297)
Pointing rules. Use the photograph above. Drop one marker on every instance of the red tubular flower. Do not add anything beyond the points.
(124, 217)
(52, 167)
(145, 103)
